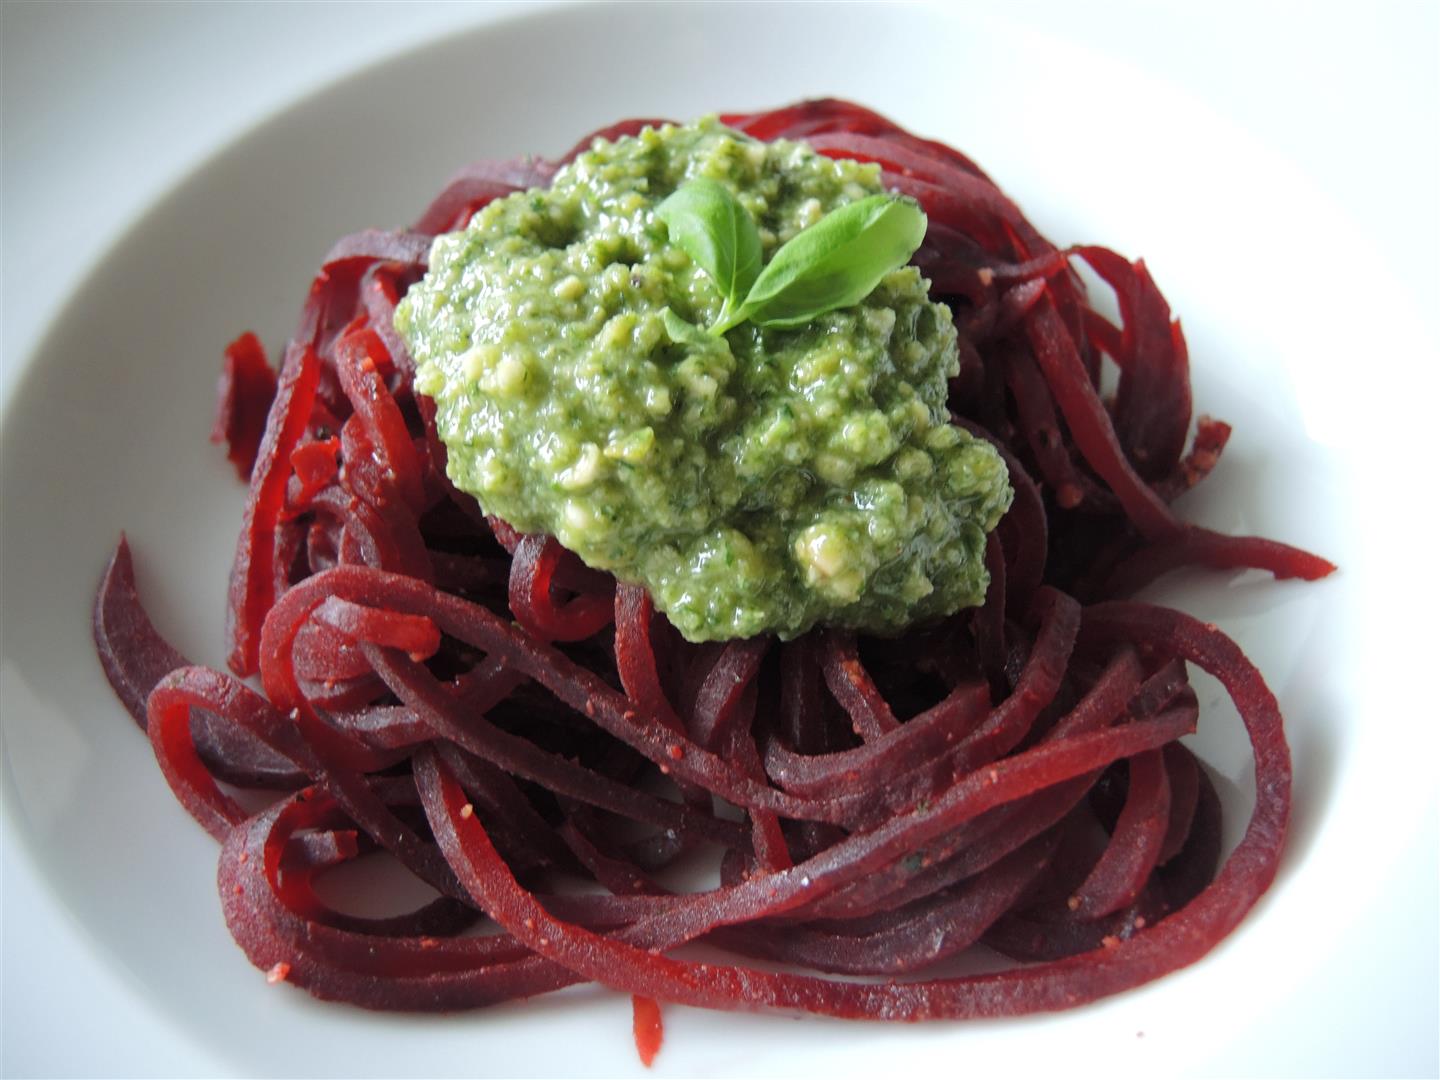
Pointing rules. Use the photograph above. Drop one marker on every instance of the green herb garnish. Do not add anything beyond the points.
(682, 332)
(711, 226)
(835, 263)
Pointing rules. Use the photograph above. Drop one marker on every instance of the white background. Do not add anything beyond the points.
(105, 106)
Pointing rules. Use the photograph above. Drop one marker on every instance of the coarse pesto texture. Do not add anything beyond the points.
(765, 480)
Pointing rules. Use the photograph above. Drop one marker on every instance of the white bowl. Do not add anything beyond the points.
(1282, 297)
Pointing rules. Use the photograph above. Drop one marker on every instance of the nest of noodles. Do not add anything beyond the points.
(538, 746)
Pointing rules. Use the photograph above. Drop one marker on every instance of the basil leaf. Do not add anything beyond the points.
(682, 332)
(711, 226)
(833, 264)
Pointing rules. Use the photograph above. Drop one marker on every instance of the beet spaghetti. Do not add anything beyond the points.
(536, 744)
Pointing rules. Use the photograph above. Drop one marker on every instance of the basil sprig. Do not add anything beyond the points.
(711, 226)
(835, 263)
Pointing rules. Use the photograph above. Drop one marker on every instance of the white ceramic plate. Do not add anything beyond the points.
(1299, 334)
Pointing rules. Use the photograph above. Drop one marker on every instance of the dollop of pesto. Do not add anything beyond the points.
(763, 481)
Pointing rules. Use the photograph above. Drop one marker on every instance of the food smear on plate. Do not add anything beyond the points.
(649, 1028)
(584, 790)
(763, 480)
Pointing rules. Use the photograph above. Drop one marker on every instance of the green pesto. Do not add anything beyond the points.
(766, 480)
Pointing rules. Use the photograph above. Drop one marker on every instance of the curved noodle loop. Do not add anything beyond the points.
(540, 749)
